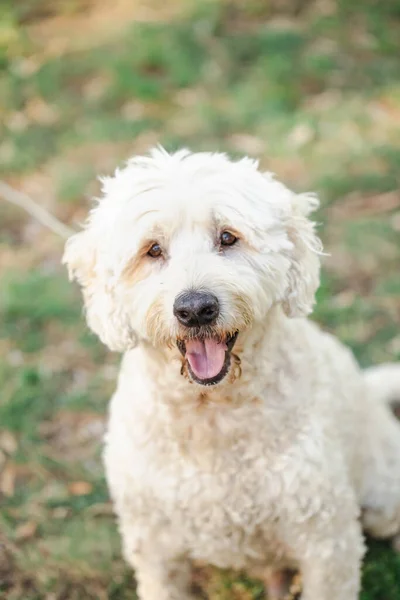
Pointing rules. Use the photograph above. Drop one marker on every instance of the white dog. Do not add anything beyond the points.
(239, 435)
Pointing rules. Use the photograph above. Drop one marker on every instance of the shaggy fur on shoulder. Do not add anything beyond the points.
(239, 434)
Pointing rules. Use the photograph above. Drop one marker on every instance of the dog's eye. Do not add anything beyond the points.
(228, 239)
(155, 251)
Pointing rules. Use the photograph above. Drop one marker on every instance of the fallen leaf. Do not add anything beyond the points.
(18, 121)
(27, 530)
(7, 480)
(101, 509)
(8, 443)
(248, 144)
(26, 67)
(60, 512)
(39, 111)
(95, 88)
(80, 488)
(344, 299)
(301, 135)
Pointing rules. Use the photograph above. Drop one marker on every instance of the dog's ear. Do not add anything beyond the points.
(303, 274)
(102, 313)
(79, 257)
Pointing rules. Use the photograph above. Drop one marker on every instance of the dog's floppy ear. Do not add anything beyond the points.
(102, 313)
(79, 256)
(303, 274)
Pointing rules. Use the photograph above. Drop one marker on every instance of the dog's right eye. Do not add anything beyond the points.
(155, 251)
(228, 239)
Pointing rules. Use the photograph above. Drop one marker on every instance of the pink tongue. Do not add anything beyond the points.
(206, 357)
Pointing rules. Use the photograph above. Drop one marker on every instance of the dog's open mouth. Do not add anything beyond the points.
(208, 359)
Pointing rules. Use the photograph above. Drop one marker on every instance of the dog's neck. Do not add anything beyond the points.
(204, 420)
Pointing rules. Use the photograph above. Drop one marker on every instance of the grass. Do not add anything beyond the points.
(313, 93)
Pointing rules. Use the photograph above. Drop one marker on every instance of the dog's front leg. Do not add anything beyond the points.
(161, 578)
(331, 560)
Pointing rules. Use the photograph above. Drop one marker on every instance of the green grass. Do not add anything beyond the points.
(314, 94)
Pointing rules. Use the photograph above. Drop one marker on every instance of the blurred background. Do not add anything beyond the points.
(312, 88)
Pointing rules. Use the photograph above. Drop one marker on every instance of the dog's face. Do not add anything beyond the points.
(190, 250)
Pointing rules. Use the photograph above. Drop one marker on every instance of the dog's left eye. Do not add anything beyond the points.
(228, 239)
(155, 250)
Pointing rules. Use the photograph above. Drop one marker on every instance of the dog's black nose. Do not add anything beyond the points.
(193, 309)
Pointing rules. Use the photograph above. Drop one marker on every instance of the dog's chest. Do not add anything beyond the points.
(225, 505)
(209, 487)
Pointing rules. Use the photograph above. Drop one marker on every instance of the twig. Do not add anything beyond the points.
(35, 210)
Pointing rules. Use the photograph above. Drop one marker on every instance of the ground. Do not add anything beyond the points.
(311, 88)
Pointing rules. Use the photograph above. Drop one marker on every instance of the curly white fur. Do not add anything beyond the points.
(271, 468)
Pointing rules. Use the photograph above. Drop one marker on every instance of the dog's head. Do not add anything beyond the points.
(189, 250)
